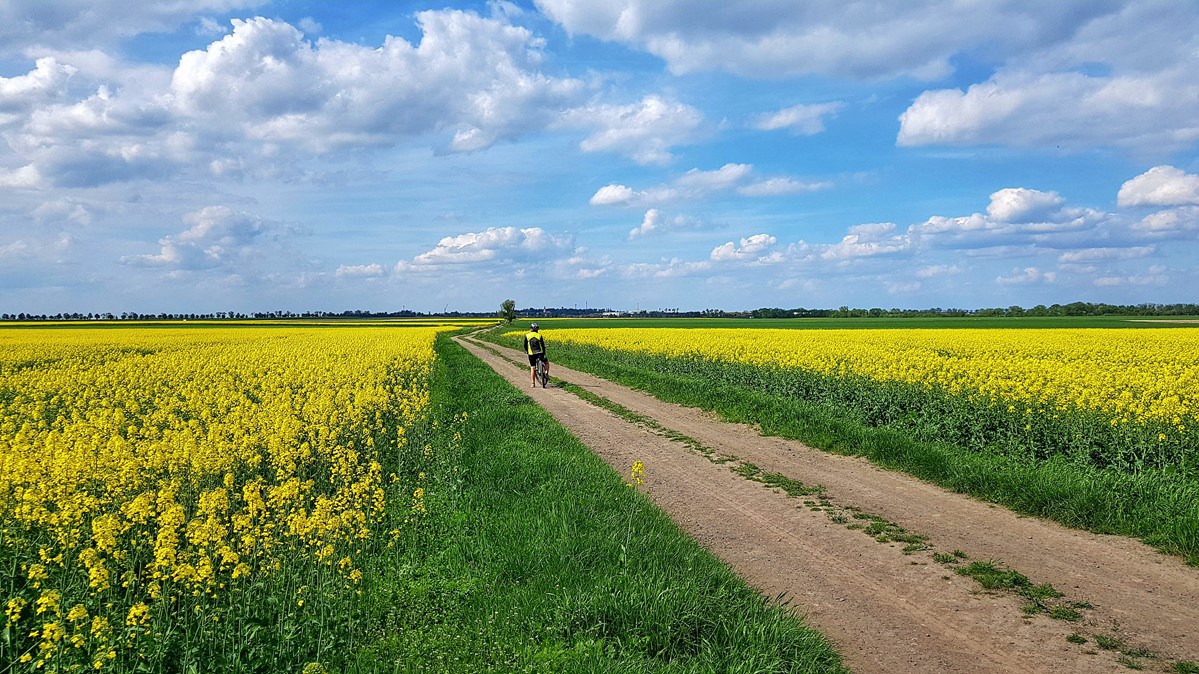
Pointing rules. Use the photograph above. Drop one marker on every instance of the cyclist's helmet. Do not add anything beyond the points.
(533, 327)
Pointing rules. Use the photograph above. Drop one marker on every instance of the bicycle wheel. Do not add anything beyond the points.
(542, 374)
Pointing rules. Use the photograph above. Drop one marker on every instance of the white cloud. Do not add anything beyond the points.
(1089, 255)
(805, 120)
(66, 211)
(47, 82)
(614, 195)
(722, 178)
(1020, 205)
(867, 240)
(26, 177)
(1014, 215)
(1123, 75)
(471, 75)
(26, 24)
(1143, 113)
(751, 248)
(1156, 275)
(672, 268)
(773, 187)
(261, 97)
(373, 270)
(855, 38)
(651, 221)
(1027, 276)
(936, 270)
(1160, 186)
(696, 184)
(1169, 223)
(644, 131)
(217, 237)
(495, 244)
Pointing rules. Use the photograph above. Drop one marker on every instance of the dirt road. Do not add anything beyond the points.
(885, 610)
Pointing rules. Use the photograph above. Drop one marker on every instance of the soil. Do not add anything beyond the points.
(885, 610)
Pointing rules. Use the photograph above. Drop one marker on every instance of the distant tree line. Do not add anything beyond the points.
(211, 316)
(1072, 309)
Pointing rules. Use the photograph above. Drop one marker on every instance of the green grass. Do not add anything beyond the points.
(540, 558)
(1159, 506)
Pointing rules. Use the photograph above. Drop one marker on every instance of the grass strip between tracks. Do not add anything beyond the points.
(541, 558)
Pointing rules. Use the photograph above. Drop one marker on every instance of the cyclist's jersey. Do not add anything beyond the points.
(534, 343)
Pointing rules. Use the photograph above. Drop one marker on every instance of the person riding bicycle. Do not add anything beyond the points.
(535, 347)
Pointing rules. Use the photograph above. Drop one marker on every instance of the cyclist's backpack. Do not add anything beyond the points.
(535, 345)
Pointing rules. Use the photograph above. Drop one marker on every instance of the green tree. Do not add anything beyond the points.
(508, 310)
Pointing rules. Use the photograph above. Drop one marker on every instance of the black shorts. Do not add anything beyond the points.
(534, 357)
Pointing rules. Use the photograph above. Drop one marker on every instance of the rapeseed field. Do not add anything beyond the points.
(179, 495)
(1052, 386)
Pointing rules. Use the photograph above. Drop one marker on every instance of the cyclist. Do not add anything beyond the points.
(535, 347)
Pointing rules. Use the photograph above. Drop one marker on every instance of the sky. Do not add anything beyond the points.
(258, 155)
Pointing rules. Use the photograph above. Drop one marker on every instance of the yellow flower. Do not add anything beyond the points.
(48, 602)
(14, 608)
(77, 613)
(139, 614)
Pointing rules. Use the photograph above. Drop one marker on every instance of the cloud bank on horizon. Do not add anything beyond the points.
(255, 155)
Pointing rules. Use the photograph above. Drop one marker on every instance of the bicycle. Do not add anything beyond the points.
(541, 372)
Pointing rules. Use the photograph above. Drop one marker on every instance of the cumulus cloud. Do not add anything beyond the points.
(27, 177)
(1155, 275)
(263, 96)
(1172, 223)
(673, 268)
(774, 187)
(1014, 215)
(867, 240)
(698, 184)
(1020, 205)
(722, 178)
(752, 247)
(655, 222)
(1071, 109)
(857, 39)
(91, 23)
(644, 131)
(651, 221)
(1123, 77)
(46, 83)
(804, 120)
(1089, 255)
(475, 76)
(373, 270)
(1160, 186)
(217, 236)
(615, 195)
(936, 270)
(1026, 276)
(495, 244)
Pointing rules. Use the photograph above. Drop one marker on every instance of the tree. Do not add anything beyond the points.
(508, 310)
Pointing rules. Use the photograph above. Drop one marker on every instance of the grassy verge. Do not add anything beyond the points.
(537, 557)
(1160, 507)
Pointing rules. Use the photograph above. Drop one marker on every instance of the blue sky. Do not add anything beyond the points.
(244, 155)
